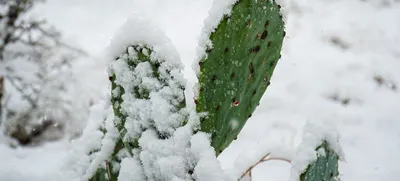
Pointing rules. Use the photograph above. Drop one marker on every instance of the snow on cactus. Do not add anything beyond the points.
(156, 139)
(154, 136)
(318, 155)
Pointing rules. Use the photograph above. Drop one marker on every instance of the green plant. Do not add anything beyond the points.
(148, 94)
(238, 68)
(325, 167)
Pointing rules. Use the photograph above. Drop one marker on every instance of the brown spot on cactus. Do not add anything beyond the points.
(214, 77)
(264, 35)
(255, 49)
(267, 23)
(201, 89)
(209, 50)
(195, 101)
(266, 78)
(249, 23)
(258, 35)
(269, 44)
(218, 108)
(226, 50)
(272, 64)
(251, 68)
(233, 75)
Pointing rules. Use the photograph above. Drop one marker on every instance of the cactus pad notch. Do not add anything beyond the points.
(237, 69)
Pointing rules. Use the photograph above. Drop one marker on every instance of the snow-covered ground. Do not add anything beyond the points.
(340, 66)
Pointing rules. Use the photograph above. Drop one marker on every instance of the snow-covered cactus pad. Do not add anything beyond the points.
(147, 93)
(237, 67)
(147, 96)
(317, 157)
(156, 140)
(325, 167)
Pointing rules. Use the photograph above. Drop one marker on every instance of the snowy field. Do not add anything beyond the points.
(340, 66)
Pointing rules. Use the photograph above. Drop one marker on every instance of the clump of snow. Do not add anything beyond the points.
(139, 30)
(107, 146)
(215, 15)
(314, 136)
(84, 155)
(131, 170)
(207, 167)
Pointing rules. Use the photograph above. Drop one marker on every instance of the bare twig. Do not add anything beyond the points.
(1, 95)
(23, 93)
(263, 159)
(108, 170)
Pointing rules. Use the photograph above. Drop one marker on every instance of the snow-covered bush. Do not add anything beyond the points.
(37, 102)
(152, 135)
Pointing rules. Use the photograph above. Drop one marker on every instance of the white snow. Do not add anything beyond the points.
(312, 72)
(131, 170)
(215, 15)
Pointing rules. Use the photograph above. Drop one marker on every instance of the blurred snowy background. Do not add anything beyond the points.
(340, 66)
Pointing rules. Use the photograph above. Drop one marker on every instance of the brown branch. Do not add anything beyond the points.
(262, 160)
(108, 170)
(23, 93)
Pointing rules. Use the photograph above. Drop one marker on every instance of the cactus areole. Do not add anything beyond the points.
(238, 67)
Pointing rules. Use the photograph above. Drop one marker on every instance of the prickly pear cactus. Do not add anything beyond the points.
(324, 168)
(237, 69)
(147, 95)
(147, 73)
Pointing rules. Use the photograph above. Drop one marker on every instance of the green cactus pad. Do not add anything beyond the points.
(237, 69)
(325, 168)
